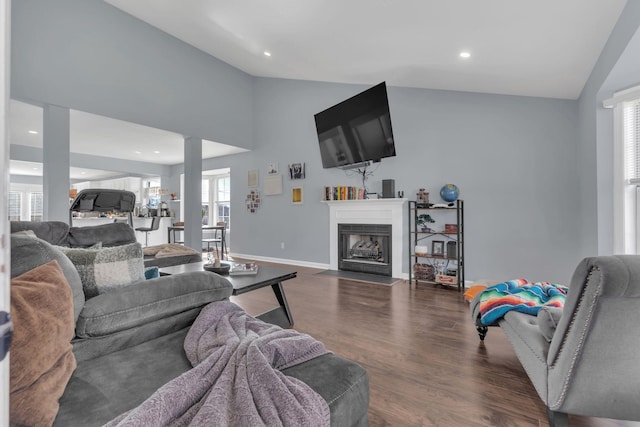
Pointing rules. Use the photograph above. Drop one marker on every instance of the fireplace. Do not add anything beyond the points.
(387, 212)
(365, 248)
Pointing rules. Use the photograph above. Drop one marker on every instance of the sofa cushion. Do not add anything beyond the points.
(54, 232)
(41, 360)
(112, 234)
(27, 253)
(170, 250)
(150, 301)
(102, 270)
(548, 318)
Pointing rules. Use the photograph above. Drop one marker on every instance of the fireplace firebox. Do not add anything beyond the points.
(365, 248)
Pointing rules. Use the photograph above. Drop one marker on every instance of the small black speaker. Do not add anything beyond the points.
(388, 188)
(452, 250)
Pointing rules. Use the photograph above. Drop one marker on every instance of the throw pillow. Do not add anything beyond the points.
(97, 245)
(29, 233)
(548, 319)
(174, 249)
(106, 269)
(473, 290)
(42, 360)
(151, 272)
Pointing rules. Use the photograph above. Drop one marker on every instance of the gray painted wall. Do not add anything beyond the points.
(512, 157)
(618, 67)
(526, 166)
(90, 56)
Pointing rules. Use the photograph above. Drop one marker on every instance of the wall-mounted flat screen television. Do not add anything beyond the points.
(356, 130)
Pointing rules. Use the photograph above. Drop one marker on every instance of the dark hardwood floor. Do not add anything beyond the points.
(426, 364)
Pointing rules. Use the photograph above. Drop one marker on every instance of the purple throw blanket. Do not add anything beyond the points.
(236, 378)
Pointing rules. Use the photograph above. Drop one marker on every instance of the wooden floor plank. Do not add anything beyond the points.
(426, 364)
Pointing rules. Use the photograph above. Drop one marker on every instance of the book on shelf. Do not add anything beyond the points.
(343, 192)
(243, 268)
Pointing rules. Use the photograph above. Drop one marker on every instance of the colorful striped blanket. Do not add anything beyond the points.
(519, 295)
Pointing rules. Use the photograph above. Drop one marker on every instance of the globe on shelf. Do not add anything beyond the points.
(449, 193)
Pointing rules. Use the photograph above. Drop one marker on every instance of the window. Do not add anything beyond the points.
(36, 204)
(205, 202)
(626, 170)
(26, 202)
(223, 200)
(216, 200)
(216, 197)
(15, 205)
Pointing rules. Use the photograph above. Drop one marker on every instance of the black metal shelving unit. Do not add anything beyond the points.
(429, 267)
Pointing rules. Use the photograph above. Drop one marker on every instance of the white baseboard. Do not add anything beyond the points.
(282, 261)
(321, 266)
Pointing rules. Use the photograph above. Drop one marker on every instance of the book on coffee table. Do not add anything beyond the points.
(243, 268)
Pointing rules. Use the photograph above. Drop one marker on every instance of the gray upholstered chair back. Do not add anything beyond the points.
(593, 356)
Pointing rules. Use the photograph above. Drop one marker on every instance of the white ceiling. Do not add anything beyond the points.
(105, 137)
(543, 48)
(19, 167)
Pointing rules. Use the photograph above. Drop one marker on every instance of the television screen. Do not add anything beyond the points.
(356, 130)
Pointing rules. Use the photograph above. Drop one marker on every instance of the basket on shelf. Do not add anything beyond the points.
(424, 271)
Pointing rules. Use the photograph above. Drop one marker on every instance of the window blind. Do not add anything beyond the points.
(36, 206)
(631, 136)
(15, 199)
(205, 191)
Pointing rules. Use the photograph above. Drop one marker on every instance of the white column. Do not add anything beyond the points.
(192, 197)
(55, 163)
(5, 17)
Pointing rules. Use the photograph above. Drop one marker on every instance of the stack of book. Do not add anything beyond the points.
(343, 192)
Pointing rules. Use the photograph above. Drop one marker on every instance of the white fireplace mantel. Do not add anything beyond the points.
(369, 211)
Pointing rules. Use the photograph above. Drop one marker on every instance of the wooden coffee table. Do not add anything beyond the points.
(266, 276)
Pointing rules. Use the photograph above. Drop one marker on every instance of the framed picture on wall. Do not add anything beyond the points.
(252, 178)
(272, 168)
(272, 185)
(296, 195)
(296, 171)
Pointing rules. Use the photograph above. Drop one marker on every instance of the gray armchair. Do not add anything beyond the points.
(588, 365)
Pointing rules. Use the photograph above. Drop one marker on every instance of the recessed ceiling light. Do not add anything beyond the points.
(138, 152)
(35, 169)
(33, 132)
(465, 55)
(156, 152)
(267, 53)
(83, 173)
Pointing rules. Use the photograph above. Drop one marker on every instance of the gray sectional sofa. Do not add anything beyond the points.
(114, 234)
(583, 359)
(129, 342)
